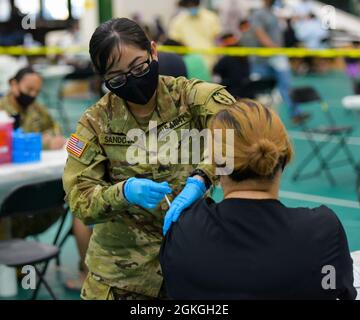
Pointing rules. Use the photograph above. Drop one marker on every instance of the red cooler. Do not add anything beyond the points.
(6, 128)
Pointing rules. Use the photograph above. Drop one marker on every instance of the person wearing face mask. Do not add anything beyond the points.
(20, 103)
(196, 27)
(123, 199)
(29, 115)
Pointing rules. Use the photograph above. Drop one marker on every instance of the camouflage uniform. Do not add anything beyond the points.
(34, 119)
(123, 251)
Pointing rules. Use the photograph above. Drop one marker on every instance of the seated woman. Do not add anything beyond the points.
(29, 115)
(250, 245)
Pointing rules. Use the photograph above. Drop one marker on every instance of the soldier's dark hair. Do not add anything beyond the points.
(22, 73)
(112, 35)
(186, 3)
(270, 3)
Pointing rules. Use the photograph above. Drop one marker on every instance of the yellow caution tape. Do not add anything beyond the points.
(266, 52)
(36, 51)
(230, 51)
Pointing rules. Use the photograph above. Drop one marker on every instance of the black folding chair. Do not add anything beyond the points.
(29, 200)
(254, 88)
(331, 132)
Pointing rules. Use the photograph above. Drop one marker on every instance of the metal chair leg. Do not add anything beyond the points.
(43, 280)
(63, 219)
(324, 164)
(316, 153)
(39, 282)
(60, 245)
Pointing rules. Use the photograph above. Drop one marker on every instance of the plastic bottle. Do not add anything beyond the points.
(6, 127)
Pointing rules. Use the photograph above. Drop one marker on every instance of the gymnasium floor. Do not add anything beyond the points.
(341, 198)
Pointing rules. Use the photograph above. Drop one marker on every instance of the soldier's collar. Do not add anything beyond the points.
(165, 103)
(121, 119)
(11, 108)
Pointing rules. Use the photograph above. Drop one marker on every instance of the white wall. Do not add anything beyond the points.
(89, 21)
(149, 9)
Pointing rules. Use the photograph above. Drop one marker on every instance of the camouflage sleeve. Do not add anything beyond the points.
(48, 124)
(91, 197)
(205, 100)
(2, 104)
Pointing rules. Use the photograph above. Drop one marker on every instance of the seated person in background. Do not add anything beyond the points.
(29, 115)
(172, 64)
(195, 64)
(32, 117)
(250, 245)
(234, 71)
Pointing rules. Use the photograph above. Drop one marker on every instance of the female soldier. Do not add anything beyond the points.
(29, 115)
(125, 201)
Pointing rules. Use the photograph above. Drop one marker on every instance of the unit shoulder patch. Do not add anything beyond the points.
(223, 97)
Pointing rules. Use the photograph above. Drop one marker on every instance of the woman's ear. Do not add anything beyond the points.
(154, 52)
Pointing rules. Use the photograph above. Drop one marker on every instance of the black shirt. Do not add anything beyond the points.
(255, 249)
(234, 72)
(171, 64)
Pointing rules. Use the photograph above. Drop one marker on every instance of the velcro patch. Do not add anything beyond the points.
(76, 146)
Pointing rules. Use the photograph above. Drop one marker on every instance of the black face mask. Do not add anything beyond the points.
(24, 100)
(139, 90)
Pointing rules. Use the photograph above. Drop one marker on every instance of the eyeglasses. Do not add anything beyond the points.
(121, 79)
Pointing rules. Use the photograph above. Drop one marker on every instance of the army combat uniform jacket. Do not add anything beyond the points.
(34, 119)
(124, 248)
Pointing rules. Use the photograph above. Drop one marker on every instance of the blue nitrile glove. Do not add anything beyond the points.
(145, 193)
(194, 189)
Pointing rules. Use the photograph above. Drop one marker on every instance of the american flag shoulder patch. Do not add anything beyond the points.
(76, 146)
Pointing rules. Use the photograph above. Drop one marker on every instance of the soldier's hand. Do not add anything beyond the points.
(145, 193)
(193, 190)
(52, 142)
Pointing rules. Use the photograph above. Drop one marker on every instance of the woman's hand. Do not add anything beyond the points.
(52, 142)
(145, 193)
(193, 190)
(57, 142)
